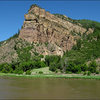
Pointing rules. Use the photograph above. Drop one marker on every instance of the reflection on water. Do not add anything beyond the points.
(51, 88)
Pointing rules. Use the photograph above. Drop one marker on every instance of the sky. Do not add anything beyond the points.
(12, 12)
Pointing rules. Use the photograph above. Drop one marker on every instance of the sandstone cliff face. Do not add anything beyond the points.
(41, 27)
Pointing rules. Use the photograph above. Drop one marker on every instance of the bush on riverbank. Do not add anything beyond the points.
(40, 72)
(21, 67)
(92, 68)
(54, 65)
(28, 72)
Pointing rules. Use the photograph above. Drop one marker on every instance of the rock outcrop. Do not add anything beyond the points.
(40, 27)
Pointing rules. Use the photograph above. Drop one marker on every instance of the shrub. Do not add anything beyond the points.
(43, 64)
(68, 72)
(28, 72)
(78, 72)
(84, 73)
(18, 71)
(92, 67)
(84, 67)
(40, 72)
(41, 56)
(73, 68)
(52, 59)
(89, 73)
(52, 67)
(6, 68)
(97, 72)
(77, 69)
(70, 67)
(56, 71)
(4, 71)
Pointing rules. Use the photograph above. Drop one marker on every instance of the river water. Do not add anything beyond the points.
(48, 88)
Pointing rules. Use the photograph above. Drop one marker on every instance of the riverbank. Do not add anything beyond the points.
(67, 76)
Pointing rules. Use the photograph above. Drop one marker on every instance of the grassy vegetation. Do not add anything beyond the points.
(44, 70)
(67, 76)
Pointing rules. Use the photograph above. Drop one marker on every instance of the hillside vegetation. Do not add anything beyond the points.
(88, 47)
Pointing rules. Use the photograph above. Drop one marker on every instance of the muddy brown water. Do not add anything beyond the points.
(48, 88)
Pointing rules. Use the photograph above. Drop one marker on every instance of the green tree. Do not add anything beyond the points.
(83, 67)
(92, 67)
(89, 73)
(53, 67)
(7, 68)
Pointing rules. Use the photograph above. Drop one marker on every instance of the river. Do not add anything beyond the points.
(48, 88)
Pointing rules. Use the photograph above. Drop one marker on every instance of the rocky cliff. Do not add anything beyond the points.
(49, 34)
(41, 27)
